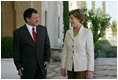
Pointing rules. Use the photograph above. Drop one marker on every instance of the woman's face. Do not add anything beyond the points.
(74, 21)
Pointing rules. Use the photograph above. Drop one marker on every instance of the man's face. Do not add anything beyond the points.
(33, 21)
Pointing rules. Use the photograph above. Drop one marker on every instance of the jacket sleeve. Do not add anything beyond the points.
(64, 52)
(16, 50)
(47, 51)
(90, 51)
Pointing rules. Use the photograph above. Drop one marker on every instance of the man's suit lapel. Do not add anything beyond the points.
(39, 31)
(27, 34)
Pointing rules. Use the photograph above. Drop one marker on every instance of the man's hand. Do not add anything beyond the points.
(63, 72)
(20, 72)
(89, 74)
(46, 65)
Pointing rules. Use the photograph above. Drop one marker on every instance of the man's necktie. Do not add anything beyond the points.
(34, 35)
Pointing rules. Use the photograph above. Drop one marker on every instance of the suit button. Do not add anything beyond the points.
(72, 46)
(72, 58)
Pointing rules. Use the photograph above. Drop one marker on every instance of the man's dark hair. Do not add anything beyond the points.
(28, 13)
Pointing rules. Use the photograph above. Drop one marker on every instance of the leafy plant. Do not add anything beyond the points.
(99, 24)
(6, 47)
(65, 16)
(114, 27)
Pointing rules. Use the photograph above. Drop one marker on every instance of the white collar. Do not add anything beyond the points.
(30, 27)
(71, 31)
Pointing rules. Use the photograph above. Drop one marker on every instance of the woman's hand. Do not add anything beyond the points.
(89, 74)
(63, 72)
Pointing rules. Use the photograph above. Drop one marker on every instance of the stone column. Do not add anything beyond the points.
(7, 18)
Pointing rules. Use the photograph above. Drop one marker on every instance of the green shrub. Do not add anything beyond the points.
(101, 43)
(112, 52)
(6, 47)
(103, 49)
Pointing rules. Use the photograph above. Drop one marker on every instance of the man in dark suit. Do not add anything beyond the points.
(31, 47)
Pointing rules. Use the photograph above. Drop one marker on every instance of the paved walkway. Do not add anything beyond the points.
(105, 68)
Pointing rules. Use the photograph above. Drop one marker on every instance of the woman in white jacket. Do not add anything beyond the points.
(78, 51)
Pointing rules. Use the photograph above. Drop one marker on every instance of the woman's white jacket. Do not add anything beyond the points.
(78, 50)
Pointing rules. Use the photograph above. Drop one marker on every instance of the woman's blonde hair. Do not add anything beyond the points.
(79, 14)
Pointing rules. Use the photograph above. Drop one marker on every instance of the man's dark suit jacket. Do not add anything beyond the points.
(27, 54)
